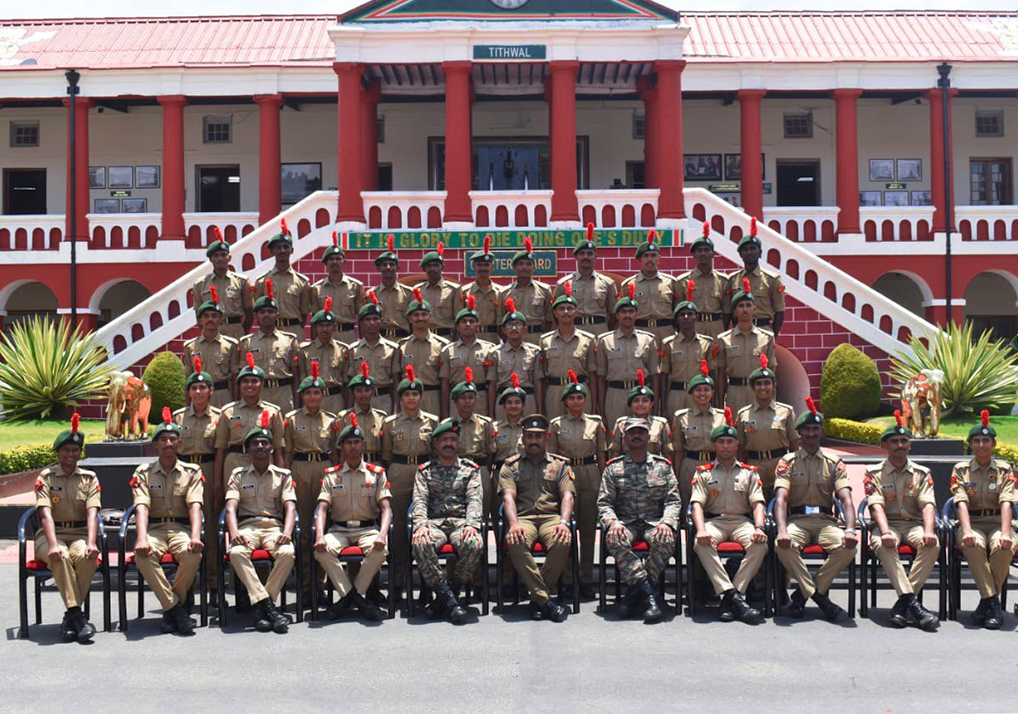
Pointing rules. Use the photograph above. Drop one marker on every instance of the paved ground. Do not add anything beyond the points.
(510, 664)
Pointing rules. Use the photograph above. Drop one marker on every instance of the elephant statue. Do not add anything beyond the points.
(129, 404)
(921, 394)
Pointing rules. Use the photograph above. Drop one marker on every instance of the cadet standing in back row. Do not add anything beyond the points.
(234, 290)
(655, 293)
(619, 354)
(710, 286)
(347, 293)
(293, 290)
(594, 292)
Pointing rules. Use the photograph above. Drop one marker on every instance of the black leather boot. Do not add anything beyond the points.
(899, 613)
(653, 611)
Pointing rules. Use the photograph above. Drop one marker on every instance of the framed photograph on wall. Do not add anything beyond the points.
(146, 177)
(121, 176)
(910, 169)
(897, 199)
(134, 205)
(298, 181)
(881, 169)
(868, 199)
(107, 205)
(96, 177)
(733, 167)
(922, 198)
(702, 167)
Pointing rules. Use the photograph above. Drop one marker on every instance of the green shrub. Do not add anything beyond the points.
(165, 377)
(849, 384)
(24, 458)
(857, 431)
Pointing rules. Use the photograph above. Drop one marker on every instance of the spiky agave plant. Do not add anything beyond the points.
(46, 367)
(978, 372)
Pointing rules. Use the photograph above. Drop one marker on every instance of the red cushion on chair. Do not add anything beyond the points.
(813, 550)
(36, 564)
(906, 550)
(351, 550)
(538, 547)
(447, 549)
(167, 559)
(261, 554)
(640, 546)
(730, 547)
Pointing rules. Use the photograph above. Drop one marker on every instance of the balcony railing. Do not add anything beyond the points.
(24, 233)
(987, 223)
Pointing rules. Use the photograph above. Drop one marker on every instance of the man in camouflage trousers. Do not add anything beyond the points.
(447, 509)
(639, 500)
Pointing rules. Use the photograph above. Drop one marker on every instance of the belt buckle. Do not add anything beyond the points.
(353, 524)
(578, 462)
(411, 460)
(628, 385)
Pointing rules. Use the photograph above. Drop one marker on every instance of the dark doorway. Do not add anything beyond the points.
(218, 189)
(385, 177)
(798, 182)
(25, 192)
(990, 182)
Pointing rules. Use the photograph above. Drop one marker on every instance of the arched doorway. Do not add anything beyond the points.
(793, 381)
(27, 298)
(117, 297)
(906, 289)
(990, 304)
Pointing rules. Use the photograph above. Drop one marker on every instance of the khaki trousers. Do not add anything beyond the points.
(539, 581)
(262, 533)
(724, 529)
(710, 328)
(339, 538)
(738, 397)
(282, 397)
(334, 403)
(815, 529)
(172, 538)
(431, 401)
(236, 330)
(220, 398)
(989, 573)
(614, 404)
(587, 483)
(908, 533)
(401, 485)
(73, 572)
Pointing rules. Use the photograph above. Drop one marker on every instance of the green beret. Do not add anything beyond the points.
(311, 383)
(702, 240)
(684, 305)
(639, 391)
(208, 305)
(515, 315)
(650, 245)
(698, 380)
(895, 430)
(407, 386)
(749, 240)
(323, 316)
(281, 237)
(387, 255)
(588, 242)
(416, 305)
(467, 312)
(575, 388)
(526, 254)
(512, 392)
(256, 432)
(70, 436)
(368, 309)
(333, 250)
(251, 370)
(350, 432)
(723, 430)
(361, 381)
(265, 302)
(810, 417)
(216, 246)
(983, 428)
(452, 425)
(626, 301)
(198, 378)
(165, 428)
(462, 388)
(761, 373)
(432, 256)
(564, 299)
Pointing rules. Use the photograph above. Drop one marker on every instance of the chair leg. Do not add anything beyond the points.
(873, 578)
(851, 589)
(203, 592)
(690, 577)
(314, 589)
(485, 580)
(865, 583)
(576, 576)
(221, 577)
(38, 602)
(602, 577)
(141, 594)
(499, 600)
(122, 595)
(23, 605)
(299, 586)
(768, 585)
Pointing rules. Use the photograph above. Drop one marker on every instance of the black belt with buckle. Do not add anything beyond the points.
(488, 328)
(593, 320)
(225, 384)
(356, 524)
(700, 455)
(432, 387)
(708, 316)
(584, 461)
(382, 391)
(412, 460)
(653, 323)
(289, 321)
(391, 332)
(801, 510)
(70, 524)
(284, 382)
(563, 381)
(182, 521)
(767, 455)
(344, 326)
(238, 449)
(312, 456)
(332, 391)
(370, 456)
(762, 321)
(236, 320)
(737, 382)
(618, 384)
(443, 331)
(198, 458)
(678, 385)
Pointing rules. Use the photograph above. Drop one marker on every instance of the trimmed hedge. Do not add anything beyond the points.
(26, 458)
(863, 433)
(165, 377)
(849, 384)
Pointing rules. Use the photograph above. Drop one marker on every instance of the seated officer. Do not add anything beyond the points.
(67, 501)
(805, 484)
(168, 498)
(639, 500)
(537, 497)
(447, 508)
(260, 513)
(728, 505)
(358, 493)
(984, 491)
(902, 505)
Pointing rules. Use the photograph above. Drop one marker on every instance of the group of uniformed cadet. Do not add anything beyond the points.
(409, 407)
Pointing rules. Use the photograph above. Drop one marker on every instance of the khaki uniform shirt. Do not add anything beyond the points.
(619, 355)
(577, 438)
(307, 433)
(655, 296)
(67, 497)
(533, 300)
(731, 492)
(559, 355)
(691, 430)
(490, 307)
(594, 295)
(768, 291)
(168, 494)
(522, 360)
(331, 358)
(276, 353)
(811, 479)
(260, 495)
(347, 298)
(354, 494)
(709, 290)
(739, 352)
(639, 493)
(292, 291)
(983, 488)
(407, 437)
(680, 358)
(238, 418)
(444, 304)
(382, 359)
(394, 301)
(424, 355)
(766, 428)
(217, 356)
(477, 439)
(235, 294)
(538, 487)
(509, 438)
(450, 494)
(456, 357)
(370, 422)
(659, 441)
(197, 433)
(904, 493)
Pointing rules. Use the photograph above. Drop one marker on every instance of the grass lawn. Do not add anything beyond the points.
(958, 426)
(44, 431)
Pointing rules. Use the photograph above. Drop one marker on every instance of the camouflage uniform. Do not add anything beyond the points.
(659, 440)
(640, 495)
(446, 499)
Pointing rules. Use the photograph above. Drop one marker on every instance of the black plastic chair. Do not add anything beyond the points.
(259, 558)
(446, 554)
(812, 554)
(870, 572)
(350, 554)
(642, 550)
(40, 572)
(126, 562)
(539, 553)
(727, 551)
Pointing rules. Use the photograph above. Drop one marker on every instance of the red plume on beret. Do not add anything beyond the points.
(167, 416)
(417, 295)
(729, 419)
(468, 374)
(392, 243)
(440, 248)
(897, 417)
(690, 289)
(632, 291)
(752, 226)
(514, 379)
(569, 288)
(283, 228)
(263, 420)
(984, 417)
(197, 364)
(746, 288)
(704, 369)
(811, 405)
(528, 245)
(364, 369)
(590, 231)
(372, 297)
(763, 361)
(706, 229)
(249, 359)
(487, 244)
(75, 422)
(314, 370)
(335, 239)
(270, 292)
(510, 305)
(215, 294)
(471, 302)
(572, 377)
(640, 379)
(651, 235)
(353, 420)
(411, 376)
(217, 234)
(328, 304)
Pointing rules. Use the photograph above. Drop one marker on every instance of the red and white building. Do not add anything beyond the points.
(425, 117)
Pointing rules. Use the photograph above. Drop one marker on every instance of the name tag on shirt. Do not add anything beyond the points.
(247, 486)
